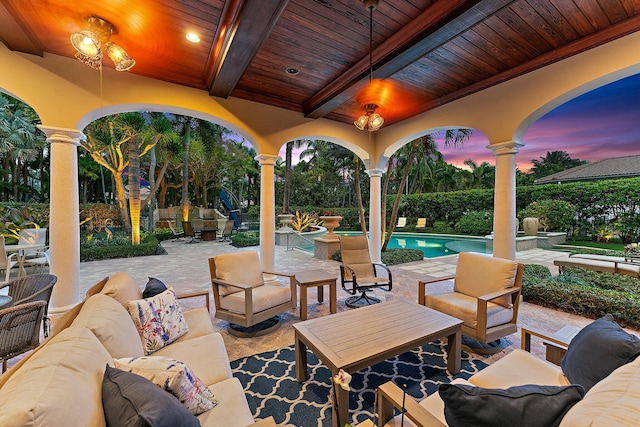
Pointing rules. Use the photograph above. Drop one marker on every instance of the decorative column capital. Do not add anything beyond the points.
(64, 135)
(266, 159)
(507, 147)
(375, 172)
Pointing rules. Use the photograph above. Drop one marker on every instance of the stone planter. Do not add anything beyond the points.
(530, 225)
(285, 221)
(331, 222)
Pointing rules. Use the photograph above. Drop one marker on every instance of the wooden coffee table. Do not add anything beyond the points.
(316, 278)
(355, 339)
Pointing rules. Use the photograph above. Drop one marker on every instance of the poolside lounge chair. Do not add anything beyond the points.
(402, 222)
(421, 224)
(601, 263)
(485, 295)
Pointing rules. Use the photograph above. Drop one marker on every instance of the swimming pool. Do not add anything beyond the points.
(431, 245)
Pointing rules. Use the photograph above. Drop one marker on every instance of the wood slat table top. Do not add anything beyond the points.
(309, 277)
(351, 338)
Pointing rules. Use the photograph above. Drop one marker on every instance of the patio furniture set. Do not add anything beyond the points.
(482, 304)
(628, 266)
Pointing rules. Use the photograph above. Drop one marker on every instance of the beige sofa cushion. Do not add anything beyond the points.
(517, 368)
(238, 267)
(111, 323)
(59, 385)
(206, 356)
(464, 307)
(263, 298)
(122, 288)
(478, 275)
(199, 322)
(233, 410)
(614, 401)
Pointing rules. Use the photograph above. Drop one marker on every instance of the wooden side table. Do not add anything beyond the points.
(314, 278)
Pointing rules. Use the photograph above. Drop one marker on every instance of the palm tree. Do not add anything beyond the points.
(553, 162)
(426, 146)
(291, 145)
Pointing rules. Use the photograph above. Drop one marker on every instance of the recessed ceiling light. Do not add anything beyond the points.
(292, 71)
(193, 38)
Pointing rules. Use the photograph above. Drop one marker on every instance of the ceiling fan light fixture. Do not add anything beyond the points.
(362, 121)
(86, 42)
(89, 44)
(119, 56)
(372, 121)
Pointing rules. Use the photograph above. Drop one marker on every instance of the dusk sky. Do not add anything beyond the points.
(600, 124)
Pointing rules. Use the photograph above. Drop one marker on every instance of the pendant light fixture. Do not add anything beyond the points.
(371, 120)
(91, 42)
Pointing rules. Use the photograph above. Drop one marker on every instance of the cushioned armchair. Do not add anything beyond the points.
(485, 295)
(241, 295)
(358, 273)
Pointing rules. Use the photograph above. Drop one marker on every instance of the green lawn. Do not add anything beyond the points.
(611, 246)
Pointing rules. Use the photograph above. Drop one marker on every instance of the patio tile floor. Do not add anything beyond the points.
(185, 268)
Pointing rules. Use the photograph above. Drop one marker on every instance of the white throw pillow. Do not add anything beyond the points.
(159, 320)
(173, 376)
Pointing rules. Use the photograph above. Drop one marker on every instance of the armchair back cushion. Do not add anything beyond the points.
(478, 275)
(238, 267)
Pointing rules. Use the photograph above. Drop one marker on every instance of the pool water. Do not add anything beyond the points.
(431, 245)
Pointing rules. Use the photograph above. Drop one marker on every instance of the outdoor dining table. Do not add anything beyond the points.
(22, 251)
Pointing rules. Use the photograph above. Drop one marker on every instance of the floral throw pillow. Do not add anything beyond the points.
(173, 376)
(159, 320)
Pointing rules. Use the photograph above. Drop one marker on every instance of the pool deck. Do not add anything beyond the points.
(185, 268)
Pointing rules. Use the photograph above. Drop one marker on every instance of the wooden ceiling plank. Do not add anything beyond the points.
(439, 23)
(243, 30)
(614, 10)
(14, 37)
(573, 14)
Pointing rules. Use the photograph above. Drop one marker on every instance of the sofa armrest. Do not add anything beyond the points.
(204, 294)
(529, 331)
(422, 285)
(390, 396)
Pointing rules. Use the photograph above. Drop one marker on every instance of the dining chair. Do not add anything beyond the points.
(7, 261)
(20, 329)
(37, 287)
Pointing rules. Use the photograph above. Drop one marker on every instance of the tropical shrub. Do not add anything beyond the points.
(243, 240)
(586, 293)
(477, 223)
(393, 256)
(554, 215)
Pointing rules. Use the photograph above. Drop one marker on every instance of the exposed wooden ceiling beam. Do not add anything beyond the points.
(435, 26)
(13, 36)
(244, 26)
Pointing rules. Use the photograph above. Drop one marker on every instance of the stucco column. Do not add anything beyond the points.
(267, 211)
(504, 203)
(64, 216)
(375, 214)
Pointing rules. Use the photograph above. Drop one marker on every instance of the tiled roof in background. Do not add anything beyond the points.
(617, 167)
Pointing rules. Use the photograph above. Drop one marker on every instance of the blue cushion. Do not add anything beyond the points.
(153, 288)
(597, 350)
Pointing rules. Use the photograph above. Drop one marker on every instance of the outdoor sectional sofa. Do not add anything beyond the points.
(603, 362)
(61, 382)
(602, 263)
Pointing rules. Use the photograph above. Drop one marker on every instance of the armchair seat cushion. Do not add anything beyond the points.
(478, 275)
(464, 307)
(264, 297)
(238, 267)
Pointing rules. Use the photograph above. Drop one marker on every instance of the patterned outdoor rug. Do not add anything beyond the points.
(269, 381)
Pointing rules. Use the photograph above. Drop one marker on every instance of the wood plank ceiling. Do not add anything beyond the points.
(429, 52)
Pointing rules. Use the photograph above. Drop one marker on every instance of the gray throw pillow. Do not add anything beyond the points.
(154, 287)
(130, 400)
(527, 405)
(597, 350)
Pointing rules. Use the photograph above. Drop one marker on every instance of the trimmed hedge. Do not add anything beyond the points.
(243, 240)
(393, 256)
(105, 250)
(584, 292)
